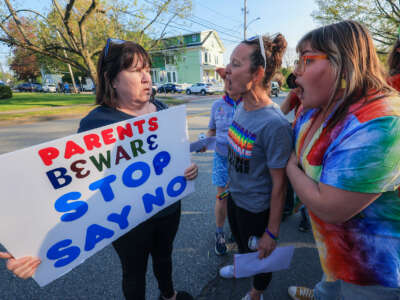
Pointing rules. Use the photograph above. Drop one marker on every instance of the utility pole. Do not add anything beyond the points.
(69, 68)
(245, 20)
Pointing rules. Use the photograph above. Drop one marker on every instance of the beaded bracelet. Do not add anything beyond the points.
(275, 238)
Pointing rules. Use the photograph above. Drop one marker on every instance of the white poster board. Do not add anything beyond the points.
(64, 200)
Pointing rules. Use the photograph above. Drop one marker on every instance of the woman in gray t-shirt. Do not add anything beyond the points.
(259, 146)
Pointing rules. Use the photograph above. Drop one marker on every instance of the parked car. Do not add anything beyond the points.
(202, 88)
(170, 88)
(275, 88)
(37, 87)
(25, 87)
(49, 88)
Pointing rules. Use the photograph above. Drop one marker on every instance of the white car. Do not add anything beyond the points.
(202, 88)
(49, 88)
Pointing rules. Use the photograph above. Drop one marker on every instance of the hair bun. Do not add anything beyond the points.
(279, 44)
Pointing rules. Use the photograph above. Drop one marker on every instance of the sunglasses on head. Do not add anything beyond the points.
(112, 41)
(261, 41)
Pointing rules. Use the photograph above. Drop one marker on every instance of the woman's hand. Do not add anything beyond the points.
(292, 160)
(23, 267)
(265, 246)
(191, 172)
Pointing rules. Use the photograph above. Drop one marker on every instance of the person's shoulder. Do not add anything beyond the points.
(275, 116)
(218, 103)
(387, 106)
(97, 117)
(159, 104)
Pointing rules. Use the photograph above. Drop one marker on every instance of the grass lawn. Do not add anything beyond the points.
(21, 101)
(43, 107)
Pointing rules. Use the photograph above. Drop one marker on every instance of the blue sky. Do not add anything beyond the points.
(290, 17)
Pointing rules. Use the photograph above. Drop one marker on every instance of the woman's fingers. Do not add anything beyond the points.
(23, 267)
(191, 172)
(5, 255)
(28, 269)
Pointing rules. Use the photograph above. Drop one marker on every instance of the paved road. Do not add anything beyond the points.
(195, 264)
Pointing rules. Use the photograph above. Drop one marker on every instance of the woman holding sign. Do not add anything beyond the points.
(260, 143)
(123, 92)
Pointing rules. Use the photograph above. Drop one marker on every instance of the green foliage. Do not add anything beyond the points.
(381, 17)
(75, 31)
(5, 92)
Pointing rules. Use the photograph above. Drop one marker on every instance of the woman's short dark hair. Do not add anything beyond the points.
(274, 49)
(119, 57)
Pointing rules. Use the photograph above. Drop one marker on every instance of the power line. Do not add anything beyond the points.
(223, 30)
(218, 13)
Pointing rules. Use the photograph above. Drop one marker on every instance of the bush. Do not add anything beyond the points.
(5, 92)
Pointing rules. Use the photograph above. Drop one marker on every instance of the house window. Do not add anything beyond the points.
(168, 76)
(193, 38)
(216, 59)
(205, 58)
(174, 76)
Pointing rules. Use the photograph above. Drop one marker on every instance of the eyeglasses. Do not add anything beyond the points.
(301, 63)
(112, 41)
(261, 41)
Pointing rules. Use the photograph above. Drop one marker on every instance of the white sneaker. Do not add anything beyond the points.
(301, 293)
(247, 297)
(227, 272)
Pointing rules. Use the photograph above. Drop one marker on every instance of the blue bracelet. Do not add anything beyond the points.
(271, 235)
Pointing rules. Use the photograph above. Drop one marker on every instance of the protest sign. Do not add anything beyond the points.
(64, 200)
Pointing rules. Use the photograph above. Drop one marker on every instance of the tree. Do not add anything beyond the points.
(75, 31)
(25, 64)
(290, 57)
(382, 17)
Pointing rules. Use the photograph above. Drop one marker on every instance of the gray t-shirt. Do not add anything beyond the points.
(258, 141)
(220, 120)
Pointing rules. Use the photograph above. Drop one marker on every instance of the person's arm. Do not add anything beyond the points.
(211, 132)
(290, 102)
(330, 204)
(23, 267)
(277, 201)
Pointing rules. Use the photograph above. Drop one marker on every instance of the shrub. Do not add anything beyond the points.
(5, 92)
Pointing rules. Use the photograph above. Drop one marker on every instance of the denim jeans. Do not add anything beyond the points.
(327, 290)
(341, 290)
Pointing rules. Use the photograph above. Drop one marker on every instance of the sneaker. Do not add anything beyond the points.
(181, 295)
(227, 272)
(247, 297)
(220, 245)
(301, 293)
(304, 225)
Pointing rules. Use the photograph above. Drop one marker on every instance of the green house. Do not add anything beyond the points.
(188, 58)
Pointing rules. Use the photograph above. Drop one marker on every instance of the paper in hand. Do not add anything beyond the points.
(249, 264)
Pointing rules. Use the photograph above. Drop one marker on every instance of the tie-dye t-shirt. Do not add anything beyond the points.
(258, 140)
(360, 154)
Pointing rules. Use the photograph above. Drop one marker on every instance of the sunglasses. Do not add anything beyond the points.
(261, 41)
(112, 41)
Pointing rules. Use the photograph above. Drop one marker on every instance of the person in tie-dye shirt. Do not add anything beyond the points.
(346, 165)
